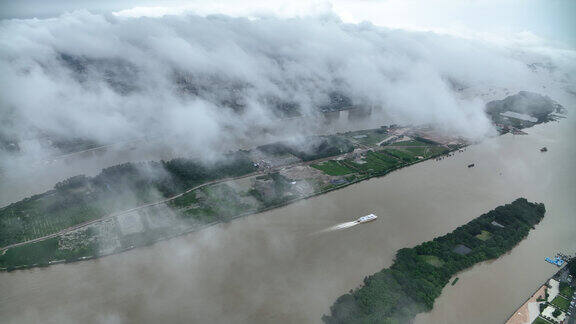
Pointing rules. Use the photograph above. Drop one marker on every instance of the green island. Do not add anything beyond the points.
(139, 203)
(418, 274)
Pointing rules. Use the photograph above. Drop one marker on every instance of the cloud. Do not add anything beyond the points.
(208, 83)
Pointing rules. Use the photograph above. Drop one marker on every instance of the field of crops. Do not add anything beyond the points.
(50, 213)
(367, 137)
(376, 162)
(403, 155)
(333, 168)
(37, 218)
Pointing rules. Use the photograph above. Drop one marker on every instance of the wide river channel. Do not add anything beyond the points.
(280, 266)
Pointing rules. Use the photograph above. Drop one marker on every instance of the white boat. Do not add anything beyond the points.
(367, 218)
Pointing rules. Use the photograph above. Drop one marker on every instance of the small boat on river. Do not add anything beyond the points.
(366, 219)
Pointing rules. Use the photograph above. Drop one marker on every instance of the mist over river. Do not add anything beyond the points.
(280, 266)
(27, 176)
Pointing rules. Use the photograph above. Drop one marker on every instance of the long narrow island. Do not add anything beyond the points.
(137, 204)
(418, 274)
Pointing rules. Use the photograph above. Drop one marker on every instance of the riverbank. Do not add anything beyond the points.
(526, 313)
(83, 217)
(198, 207)
(402, 150)
(90, 253)
(419, 274)
(550, 303)
(273, 267)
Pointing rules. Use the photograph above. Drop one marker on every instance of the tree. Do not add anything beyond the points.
(556, 312)
(412, 283)
(572, 267)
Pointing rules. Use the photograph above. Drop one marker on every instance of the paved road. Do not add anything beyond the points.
(77, 226)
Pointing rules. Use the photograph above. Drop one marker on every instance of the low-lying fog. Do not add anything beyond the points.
(275, 267)
(200, 86)
(205, 85)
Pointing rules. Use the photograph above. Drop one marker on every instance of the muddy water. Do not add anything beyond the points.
(280, 266)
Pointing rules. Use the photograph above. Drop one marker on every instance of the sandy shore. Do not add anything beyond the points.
(528, 312)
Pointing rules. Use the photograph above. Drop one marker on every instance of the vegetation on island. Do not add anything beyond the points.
(43, 252)
(205, 193)
(316, 147)
(81, 198)
(119, 188)
(540, 320)
(566, 289)
(416, 279)
(572, 267)
(525, 103)
(333, 168)
(561, 303)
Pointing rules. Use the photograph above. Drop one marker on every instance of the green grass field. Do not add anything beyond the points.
(432, 260)
(202, 215)
(376, 162)
(567, 291)
(436, 150)
(416, 151)
(402, 155)
(540, 320)
(389, 160)
(425, 152)
(43, 252)
(373, 137)
(410, 143)
(561, 303)
(333, 168)
(484, 236)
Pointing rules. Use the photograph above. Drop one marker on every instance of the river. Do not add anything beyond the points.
(276, 266)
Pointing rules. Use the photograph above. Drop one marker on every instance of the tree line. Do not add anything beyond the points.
(81, 198)
(412, 283)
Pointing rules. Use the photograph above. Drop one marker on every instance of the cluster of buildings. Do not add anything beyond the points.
(553, 303)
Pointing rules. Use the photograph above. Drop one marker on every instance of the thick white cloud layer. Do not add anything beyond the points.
(205, 80)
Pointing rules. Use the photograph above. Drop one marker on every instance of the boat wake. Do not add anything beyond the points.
(341, 226)
(338, 227)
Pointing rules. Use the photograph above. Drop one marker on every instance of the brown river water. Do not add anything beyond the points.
(279, 266)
